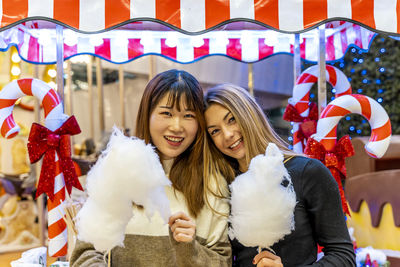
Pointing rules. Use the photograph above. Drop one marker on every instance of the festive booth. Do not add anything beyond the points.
(185, 31)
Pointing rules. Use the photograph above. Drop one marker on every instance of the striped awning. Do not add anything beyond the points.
(36, 43)
(196, 16)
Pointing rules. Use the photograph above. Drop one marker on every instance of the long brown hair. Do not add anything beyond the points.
(186, 173)
(256, 131)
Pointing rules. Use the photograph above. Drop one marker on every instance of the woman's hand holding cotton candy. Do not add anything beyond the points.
(267, 259)
(182, 227)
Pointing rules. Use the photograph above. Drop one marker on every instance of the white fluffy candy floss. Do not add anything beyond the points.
(262, 209)
(128, 171)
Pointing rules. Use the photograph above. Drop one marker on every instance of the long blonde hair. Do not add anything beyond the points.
(256, 131)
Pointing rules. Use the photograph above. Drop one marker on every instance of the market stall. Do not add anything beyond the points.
(185, 31)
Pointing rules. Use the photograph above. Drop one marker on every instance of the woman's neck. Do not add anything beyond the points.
(167, 164)
(243, 165)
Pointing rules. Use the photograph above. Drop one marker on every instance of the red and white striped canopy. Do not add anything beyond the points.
(37, 43)
(201, 15)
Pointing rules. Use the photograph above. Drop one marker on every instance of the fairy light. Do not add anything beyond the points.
(15, 71)
(15, 60)
(52, 73)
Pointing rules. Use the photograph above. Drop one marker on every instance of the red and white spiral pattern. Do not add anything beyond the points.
(54, 118)
(301, 94)
(381, 130)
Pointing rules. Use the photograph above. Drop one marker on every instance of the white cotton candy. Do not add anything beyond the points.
(128, 171)
(262, 210)
(374, 254)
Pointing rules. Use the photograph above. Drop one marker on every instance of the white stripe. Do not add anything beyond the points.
(337, 44)
(298, 148)
(184, 50)
(250, 49)
(119, 50)
(55, 214)
(11, 91)
(59, 183)
(351, 35)
(241, 9)
(152, 47)
(193, 15)
(348, 102)
(40, 89)
(283, 45)
(55, 118)
(43, 8)
(300, 90)
(143, 9)
(385, 15)
(310, 49)
(49, 52)
(339, 8)
(364, 38)
(4, 113)
(378, 114)
(378, 148)
(58, 242)
(290, 15)
(324, 126)
(217, 47)
(91, 15)
(84, 46)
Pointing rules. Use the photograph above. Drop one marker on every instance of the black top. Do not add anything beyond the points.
(319, 218)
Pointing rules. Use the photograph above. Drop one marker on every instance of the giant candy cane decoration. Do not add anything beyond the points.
(54, 120)
(301, 96)
(360, 104)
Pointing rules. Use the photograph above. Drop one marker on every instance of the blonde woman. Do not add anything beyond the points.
(238, 131)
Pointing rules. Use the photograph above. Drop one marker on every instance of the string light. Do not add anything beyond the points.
(351, 128)
(359, 90)
(380, 100)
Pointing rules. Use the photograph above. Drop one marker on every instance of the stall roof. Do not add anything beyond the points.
(197, 16)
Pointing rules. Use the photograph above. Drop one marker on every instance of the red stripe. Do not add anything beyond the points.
(5, 103)
(267, 12)
(25, 85)
(307, 78)
(263, 49)
(330, 48)
(70, 51)
(57, 228)
(212, 17)
(332, 75)
(61, 252)
(314, 11)
(365, 105)
(135, 48)
(67, 11)
(7, 125)
(203, 50)
(33, 51)
(234, 49)
(398, 16)
(116, 11)
(58, 197)
(104, 50)
(343, 40)
(363, 11)
(381, 133)
(169, 12)
(14, 10)
(167, 51)
(357, 31)
(333, 111)
(50, 101)
(303, 49)
(347, 92)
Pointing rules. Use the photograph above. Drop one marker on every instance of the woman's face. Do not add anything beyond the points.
(225, 132)
(172, 131)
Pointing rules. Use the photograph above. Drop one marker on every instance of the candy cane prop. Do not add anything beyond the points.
(301, 101)
(46, 141)
(381, 129)
(324, 146)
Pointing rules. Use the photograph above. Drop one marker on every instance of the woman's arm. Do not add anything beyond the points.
(84, 255)
(326, 216)
(211, 246)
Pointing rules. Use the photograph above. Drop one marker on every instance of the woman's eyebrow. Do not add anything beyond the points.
(226, 115)
(165, 107)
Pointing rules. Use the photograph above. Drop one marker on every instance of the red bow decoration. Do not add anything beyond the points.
(43, 141)
(334, 160)
(308, 125)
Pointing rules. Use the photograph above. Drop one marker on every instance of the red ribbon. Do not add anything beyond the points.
(308, 125)
(334, 160)
(43, 141)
